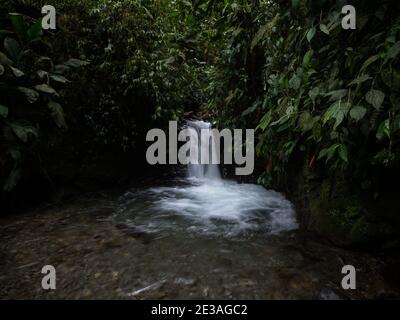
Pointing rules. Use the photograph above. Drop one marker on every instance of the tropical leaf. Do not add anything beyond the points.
(30, 94)
(336, 94)
(259, 35)
(59, 78)
(295, 82)
(42, 73)
(4, 60)
(35, 30)
(393, 52)
(23, 132)
(328, 153)
(75, 63)
(46, 89)
(306, 121)
(18, 23)
(383, 130)
(18, 73)
(310, 34)
(3, 111)
(12, 47)
(57, 113)
(343, 153)
(324, 28)
(307, 57)
(313, 93)
(337, 111)
(375, 98)
(369, 61)
(358, 112)
(265, 121)
(360, 79)
(60, 69)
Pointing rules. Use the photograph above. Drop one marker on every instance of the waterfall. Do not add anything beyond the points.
(205, 203)
(196, 168)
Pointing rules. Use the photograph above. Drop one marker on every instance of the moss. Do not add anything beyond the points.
(333, 210)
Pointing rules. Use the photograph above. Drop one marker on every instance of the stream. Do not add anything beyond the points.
(193, 236)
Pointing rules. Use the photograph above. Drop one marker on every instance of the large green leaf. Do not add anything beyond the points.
(12, 47)
(328, 153)
(18, 73)
(4, 60)
(295, 82)
(336, 94)
(46, 89)
(24, 132)
(393, 52)
(313, 93)
(30, 94)
(324, 28)
(18, 23)
(60, 69)
(259, 35)
(42, 74)
(59, 78)
(369, 61)
(306, 121)
(343, 153)
(307, 57)
(265, 121)
(249, 110)
(362, 78)
(358, 112)
(376, 98)
(57, 113)
(76, 63)
(1, 70)
(35, 30)
(383, 130)
(310, 34)
(3, 111)
(336, 111)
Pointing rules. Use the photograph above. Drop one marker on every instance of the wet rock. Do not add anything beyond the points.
(185, 281)
(330, 294)
(135, 232)
(111, 243)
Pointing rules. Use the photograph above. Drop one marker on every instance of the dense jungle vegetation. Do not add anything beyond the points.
(325, 101)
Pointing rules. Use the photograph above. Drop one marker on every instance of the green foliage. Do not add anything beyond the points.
(111, 70)
(312, 90)
(29, 86)
(315, 93)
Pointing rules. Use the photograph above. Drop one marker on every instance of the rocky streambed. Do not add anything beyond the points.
(99, 255)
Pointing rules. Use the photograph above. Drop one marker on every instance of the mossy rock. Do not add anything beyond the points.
(344, 227)
(333, 211)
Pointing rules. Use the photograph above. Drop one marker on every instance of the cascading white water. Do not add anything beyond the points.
(205, 203)
(195, 168)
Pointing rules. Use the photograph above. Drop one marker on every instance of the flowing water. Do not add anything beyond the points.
(204, 204)
(192, 236)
